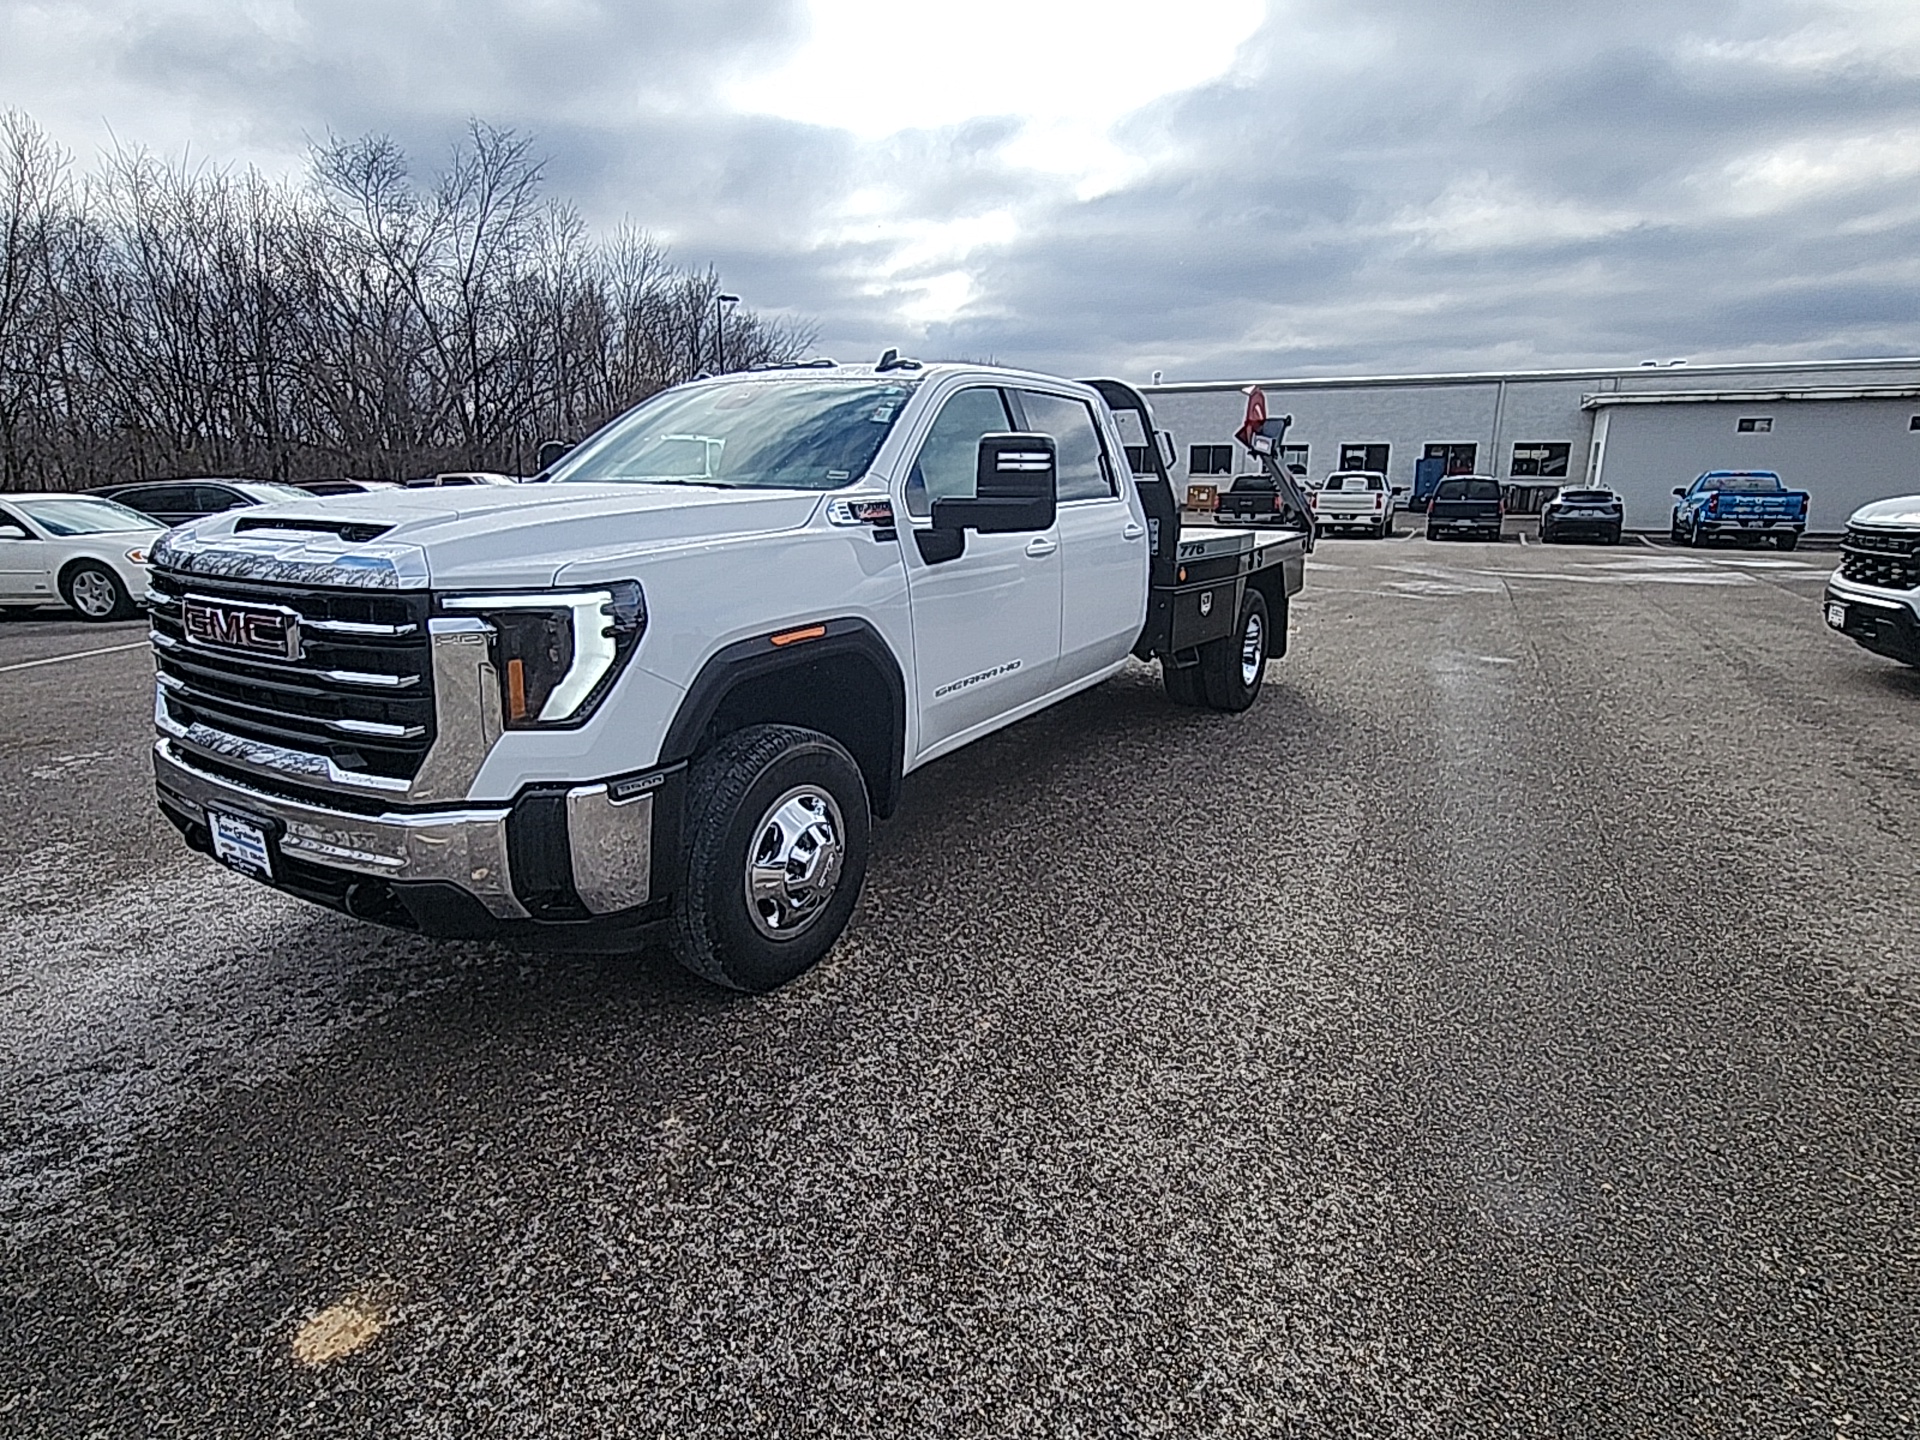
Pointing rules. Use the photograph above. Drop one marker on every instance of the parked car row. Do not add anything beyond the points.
(88, 549)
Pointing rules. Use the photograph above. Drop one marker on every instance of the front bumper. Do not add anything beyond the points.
(1886, 627)
(558, 857)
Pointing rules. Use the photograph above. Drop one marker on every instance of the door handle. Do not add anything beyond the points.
(1040, 545)
(1132, 532)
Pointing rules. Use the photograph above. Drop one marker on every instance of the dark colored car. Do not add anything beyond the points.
(175, 502)
(1595, 514)
(1466, 505)
(343, 486)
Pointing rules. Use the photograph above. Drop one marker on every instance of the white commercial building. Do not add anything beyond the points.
(1848, 431)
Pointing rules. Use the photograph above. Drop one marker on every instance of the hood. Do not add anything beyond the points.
(1903, 511)
(471, 535)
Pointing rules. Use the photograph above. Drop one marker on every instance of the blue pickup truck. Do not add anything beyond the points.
(1749, 503)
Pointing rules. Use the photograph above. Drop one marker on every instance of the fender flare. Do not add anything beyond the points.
(745, 661)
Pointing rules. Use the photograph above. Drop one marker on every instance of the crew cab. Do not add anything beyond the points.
(1752, 504)
(1354, 499)
(630, 699)
(1466, 505)
(1874, 595)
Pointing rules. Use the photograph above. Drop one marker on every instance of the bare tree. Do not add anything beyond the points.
(156, 319)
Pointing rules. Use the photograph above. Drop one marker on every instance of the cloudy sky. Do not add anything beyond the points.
(1204, 187)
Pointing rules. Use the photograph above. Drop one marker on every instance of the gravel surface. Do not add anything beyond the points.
(1507, 1027)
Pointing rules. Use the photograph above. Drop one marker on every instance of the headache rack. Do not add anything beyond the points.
(353, 684)
(1884, 559)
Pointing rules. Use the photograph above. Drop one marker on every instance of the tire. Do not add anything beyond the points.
(1674, 532)
(95, 593)
(1546, 533)
(1182, 685)
(1431, 535)
(1613, 536)
(1232, 669)
(1697, 536)
(1385, 530)
(1786, 539)
(769, 793)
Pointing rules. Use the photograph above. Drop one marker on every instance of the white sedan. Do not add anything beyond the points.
(89, 552)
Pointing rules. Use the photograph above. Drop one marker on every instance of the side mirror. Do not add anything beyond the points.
(12, 532)
(1677, 490)
(1015, 488)
(550, 454)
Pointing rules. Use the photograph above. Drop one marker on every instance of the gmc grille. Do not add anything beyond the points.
(1885, 559)
(359, 692)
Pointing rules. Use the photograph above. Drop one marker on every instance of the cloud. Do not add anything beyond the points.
(1211, 188)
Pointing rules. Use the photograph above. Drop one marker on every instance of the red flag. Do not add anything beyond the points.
(1256, 416)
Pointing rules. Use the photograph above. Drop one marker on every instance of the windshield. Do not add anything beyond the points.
(745, 434)
(79, 516)
(1742, 484)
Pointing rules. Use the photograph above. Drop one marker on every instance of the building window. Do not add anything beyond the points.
(1545, 461)
(1914, 424)
(1210, 460)
(1364, 457)
(1755, 425)
(1294, 457)
(1459, 458)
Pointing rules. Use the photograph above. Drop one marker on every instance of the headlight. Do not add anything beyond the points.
(557, 652)
(139, 557)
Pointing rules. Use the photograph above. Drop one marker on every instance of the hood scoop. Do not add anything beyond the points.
(354, 532)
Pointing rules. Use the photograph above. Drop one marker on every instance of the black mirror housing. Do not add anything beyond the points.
(1680, 492)
(1016, 488)
(550, 454)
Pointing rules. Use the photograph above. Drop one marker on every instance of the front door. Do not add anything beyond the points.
(986, 625)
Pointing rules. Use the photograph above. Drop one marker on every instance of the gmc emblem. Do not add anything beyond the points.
(230, 625)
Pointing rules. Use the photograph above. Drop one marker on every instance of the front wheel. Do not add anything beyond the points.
(1233, 667)
(96, 593)
(776, 833)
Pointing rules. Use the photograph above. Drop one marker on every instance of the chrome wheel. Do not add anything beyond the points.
(94, 594)
(793, 866)
(1253, 650)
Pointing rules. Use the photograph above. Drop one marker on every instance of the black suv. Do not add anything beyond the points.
(175, 502)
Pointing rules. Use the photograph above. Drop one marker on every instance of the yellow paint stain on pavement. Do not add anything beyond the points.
(338, 1331)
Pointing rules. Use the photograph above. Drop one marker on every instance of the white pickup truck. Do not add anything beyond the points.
(651, 692)
(1874, 595)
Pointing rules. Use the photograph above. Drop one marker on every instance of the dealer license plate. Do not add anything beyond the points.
(1837, 616)
(240, 844)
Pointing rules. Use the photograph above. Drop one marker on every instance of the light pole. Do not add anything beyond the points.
(720, 331)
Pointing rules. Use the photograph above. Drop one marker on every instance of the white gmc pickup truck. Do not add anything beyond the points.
(670, 686)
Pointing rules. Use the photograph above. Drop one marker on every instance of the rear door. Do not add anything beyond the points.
(986, 625)
(1103, 547)
(23, 563)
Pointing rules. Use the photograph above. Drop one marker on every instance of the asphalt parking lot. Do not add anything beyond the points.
(1507, 1027)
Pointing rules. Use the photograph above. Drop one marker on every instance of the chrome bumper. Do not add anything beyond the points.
(466, 847)
(609, 839)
